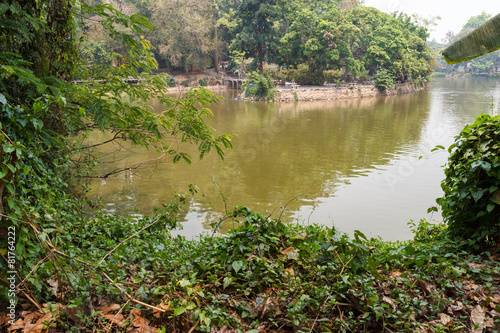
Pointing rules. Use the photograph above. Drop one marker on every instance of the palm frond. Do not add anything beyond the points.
(484, 39)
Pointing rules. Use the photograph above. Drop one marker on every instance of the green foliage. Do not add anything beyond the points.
(302, 75)
(332, 76)
(259, 87)
(383, 80)
(44, 121)
(470, 204)
(255, 33)
(203, 82)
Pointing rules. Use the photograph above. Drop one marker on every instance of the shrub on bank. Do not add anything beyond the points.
(259, 87)
(301, 75)
(332, 76)
(471, 188)
(383, 80)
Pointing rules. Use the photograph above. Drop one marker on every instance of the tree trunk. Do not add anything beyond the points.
(216, 42)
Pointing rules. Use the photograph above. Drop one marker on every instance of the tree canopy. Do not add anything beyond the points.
(322, 35)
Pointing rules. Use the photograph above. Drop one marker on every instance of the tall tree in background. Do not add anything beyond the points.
(183, 34)
(256, 33)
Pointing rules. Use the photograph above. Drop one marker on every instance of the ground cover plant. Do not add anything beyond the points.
(265, 276)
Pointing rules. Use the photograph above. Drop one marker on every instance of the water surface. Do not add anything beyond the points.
(361, 164)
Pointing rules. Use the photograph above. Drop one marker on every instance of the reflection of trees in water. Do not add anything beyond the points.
(281, 150)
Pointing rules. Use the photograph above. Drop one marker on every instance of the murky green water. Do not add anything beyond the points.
(352, 163)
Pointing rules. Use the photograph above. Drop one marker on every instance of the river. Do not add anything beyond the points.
(362, 164)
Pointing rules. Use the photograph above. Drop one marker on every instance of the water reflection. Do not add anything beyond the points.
(353, 163)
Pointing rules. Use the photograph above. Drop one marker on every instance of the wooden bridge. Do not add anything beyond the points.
(232, 82)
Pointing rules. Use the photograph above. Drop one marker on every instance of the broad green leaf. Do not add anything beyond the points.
(237, 265)
(179, 311)
(37, 123)
(227, 281)
(410, 250)
(477, 195)
(484, 39)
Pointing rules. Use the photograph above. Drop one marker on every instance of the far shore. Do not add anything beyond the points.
(293, 92)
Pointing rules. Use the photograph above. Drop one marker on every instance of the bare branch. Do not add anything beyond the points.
(115, 137)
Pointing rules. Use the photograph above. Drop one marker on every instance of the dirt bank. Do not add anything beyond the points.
(331, 93)
(289, 93)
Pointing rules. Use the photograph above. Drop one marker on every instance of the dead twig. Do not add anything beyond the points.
(195, 325)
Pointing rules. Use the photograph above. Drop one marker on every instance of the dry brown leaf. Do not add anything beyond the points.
(18, 324)
(476, 265)
(139, 321)
(286, 251)
(105, 308)
(489, 322)
(35, 328)
(426, 286)
(262, 326)
(494, 313)
(477, 317)
(4, 319)
(302, 235)
(456, 308)
(395, 274)
(117, 319)
(54, 286)
(142, 329)
(289, 272)
(388, 300)
(39, 325)
(445, 319)
(223, 329)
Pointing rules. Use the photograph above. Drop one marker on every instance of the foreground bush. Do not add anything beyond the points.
(470, 203)
(133, 276)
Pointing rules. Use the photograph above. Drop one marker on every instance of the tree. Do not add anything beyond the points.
(255, 33)
(448, 37)
(45, 119)
(184, 34)
(474, 22)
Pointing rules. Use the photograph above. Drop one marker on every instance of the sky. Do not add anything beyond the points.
(454, 13)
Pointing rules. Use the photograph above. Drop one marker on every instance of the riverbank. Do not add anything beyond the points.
(311, 93)
(268, 276)
(292, 92)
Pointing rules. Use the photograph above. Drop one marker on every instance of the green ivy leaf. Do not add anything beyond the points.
(237, 265)
(226, 282)
(180, 310)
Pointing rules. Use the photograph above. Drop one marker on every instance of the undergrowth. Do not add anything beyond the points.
(265, 276)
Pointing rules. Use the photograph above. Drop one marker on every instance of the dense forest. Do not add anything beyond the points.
(339, 40)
